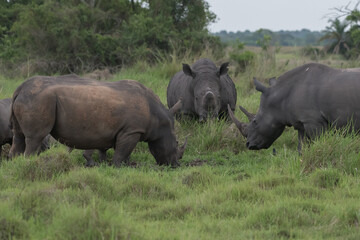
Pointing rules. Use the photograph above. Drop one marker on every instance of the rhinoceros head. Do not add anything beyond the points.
(206, 87)
(166, 150)
(165, 147)
(264, 127)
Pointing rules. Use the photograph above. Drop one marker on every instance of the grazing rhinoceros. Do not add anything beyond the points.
(205, 90)
(310, 98)
(88, 114)
(6, 134)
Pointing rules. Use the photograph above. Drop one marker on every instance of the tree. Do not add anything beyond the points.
(81, 35)
(337, 37)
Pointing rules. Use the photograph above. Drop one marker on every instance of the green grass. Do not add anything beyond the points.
(221, 191)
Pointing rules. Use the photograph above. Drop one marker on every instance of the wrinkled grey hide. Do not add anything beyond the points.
(311, 98)
(204, 89)
(88, 114)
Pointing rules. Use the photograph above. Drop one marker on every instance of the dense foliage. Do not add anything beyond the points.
(343, 36)
(79, 35)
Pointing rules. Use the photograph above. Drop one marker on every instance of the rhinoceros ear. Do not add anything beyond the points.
(188, 71)
(272, 81)
(223, 69)
(259, 86)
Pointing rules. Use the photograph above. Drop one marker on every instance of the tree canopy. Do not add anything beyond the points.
(81, 35)
(343, 36)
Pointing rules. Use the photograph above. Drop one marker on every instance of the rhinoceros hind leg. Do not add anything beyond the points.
(18, 146)
(124, 145)
(102, 155)
(33, 145)
(88, 156)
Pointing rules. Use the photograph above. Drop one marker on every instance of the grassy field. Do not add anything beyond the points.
(221, 191)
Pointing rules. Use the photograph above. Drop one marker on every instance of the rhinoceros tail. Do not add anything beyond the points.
(13, 122)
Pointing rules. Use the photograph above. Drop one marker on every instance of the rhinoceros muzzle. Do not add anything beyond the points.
(251, 146)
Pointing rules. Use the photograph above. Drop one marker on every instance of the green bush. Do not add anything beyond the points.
(12, 226)
(242, 58)
(49, 36)
(313, 52)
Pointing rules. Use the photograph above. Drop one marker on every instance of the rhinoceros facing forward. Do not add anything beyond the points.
(88, 114)
(204, 89)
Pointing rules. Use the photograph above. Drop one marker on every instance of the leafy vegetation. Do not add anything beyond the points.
(50, 36)
(242, 58)
(222, 190)
(343, 36)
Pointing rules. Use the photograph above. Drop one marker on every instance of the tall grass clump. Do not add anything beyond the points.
(337, 149)
(91, 222)
(212, 135)
(43, 167)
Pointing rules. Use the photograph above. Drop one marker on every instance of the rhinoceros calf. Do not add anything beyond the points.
(311, 98)
(88, 114)
(205, 90)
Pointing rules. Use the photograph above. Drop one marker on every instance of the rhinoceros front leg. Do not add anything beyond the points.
(90, 161)
(313, 130)
(301, 140)
(18, 145)
(125, 144)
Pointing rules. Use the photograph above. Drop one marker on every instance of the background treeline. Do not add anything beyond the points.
(303, 37)
(60, 36)
(63, 36)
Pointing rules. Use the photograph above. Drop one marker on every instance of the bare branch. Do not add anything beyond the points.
(340, 12)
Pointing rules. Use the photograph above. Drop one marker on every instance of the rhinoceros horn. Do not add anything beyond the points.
(241, 126)
(178, 105)
(250, 116)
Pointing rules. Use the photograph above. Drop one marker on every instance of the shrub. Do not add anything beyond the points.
(242, 58)
(12, 226)
(313, 52)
